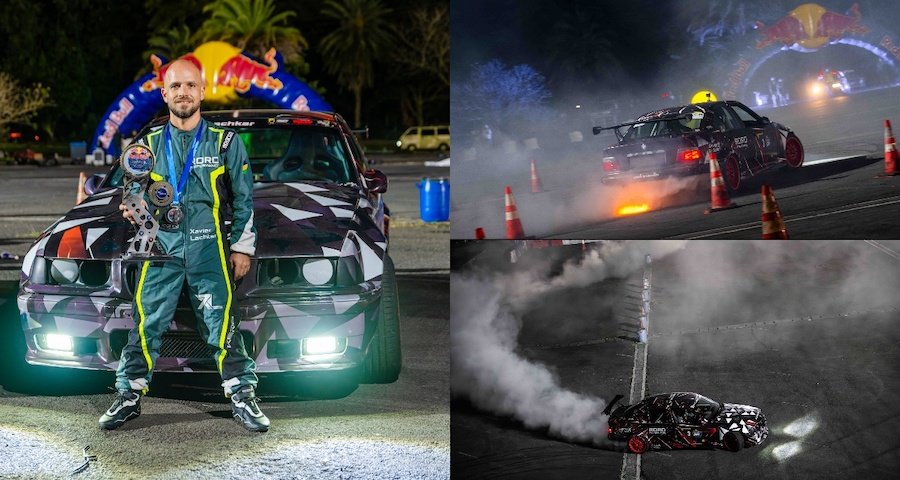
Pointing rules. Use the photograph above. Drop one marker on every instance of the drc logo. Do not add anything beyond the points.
(205, 162)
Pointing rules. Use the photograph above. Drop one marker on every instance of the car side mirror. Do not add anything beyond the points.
(376, 180)
(766, 121)
(92, 184)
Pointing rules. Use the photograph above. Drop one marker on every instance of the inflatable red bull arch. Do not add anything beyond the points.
(229, 73)
(809, 28)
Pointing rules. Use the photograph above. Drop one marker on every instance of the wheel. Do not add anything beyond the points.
(638, 445)
(733, 441)
(731, 173)
(793, 151)
(411, 148)
(444, 147)
(384, 359)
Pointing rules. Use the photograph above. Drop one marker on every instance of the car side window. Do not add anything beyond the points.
(746, 116)
(732, 122)
(443, 131)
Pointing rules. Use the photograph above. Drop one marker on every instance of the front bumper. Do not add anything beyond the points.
(272, 328)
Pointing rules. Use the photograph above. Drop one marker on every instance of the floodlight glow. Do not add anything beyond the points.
(60, 343)
(320, 345)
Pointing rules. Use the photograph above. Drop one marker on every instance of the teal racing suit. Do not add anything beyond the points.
(219, 175)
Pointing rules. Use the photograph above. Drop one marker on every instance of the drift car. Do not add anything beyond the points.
(683, 420)
(677, 140)
(321, 293)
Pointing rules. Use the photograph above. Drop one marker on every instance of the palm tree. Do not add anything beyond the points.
(254, 26)
(363, 34)
(172, 43)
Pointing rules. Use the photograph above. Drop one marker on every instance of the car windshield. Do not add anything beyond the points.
(287, 153)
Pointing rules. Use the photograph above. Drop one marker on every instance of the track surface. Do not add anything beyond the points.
(827, 199)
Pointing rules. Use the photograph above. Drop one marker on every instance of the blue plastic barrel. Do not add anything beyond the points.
(434, 199)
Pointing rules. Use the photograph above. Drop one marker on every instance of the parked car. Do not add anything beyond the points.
(321, 295)
(431, 137)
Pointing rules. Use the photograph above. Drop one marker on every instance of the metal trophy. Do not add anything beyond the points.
(137, 162)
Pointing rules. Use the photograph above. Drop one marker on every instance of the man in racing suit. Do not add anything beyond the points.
(208, 169)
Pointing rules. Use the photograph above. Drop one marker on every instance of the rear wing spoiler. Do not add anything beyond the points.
(673, 116)
(615, 128)
(608, 409)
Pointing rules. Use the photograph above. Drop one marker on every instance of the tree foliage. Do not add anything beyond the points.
(362, 35)
(423, 60)
(500, 96)
(19, 104)
(253, 25)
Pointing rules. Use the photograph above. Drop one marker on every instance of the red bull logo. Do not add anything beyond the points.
(811, 26)
(226, 70)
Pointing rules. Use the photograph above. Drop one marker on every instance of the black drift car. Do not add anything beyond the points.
(676, 141)
(684, 420)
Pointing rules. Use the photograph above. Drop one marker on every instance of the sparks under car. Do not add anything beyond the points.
(321, 293)
(684, 420)
(677, 140)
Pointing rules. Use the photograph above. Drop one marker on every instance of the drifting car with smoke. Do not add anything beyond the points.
(676, 141)
(684, 420)
(321, 295)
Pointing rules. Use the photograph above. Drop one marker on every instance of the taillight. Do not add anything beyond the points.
(750, 422)
(689, 155)
(609, 164)
(609, 430)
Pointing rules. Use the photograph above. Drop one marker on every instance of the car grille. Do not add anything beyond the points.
(185, 345)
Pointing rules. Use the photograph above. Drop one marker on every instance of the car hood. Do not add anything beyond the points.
(291, 219)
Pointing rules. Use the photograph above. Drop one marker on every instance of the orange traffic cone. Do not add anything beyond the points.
(479, 233)
(80, 196)
(890, 151)
(772, 223)
(535, 181)
(720, 200)
(513, 224)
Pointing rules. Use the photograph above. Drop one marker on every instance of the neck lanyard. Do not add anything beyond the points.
(179, 188)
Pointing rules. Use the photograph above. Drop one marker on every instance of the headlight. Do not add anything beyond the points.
(399, 143)
(298, 272)
(64, 272)
(318, 271)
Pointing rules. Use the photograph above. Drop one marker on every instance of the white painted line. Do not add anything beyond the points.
(756, 225)
(884, 249)
(829, 160)
(631, 463)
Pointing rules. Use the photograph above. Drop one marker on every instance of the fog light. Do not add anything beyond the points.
(58, 343)
(319, 345)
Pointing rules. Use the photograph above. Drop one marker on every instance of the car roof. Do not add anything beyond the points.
(654, 115)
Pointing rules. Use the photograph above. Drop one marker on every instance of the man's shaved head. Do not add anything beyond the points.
(183, 88)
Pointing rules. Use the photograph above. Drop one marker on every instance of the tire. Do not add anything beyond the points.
(444, 147)
(793, 151)
(733, 441)
(410, 148)
(731, 173)
(384, 358)
(638, 445)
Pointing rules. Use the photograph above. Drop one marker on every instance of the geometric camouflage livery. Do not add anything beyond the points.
(685, 420)
(345, 223)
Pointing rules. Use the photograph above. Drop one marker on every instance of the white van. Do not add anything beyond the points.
(430, 137)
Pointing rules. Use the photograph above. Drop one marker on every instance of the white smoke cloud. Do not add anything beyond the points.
(486, 318)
